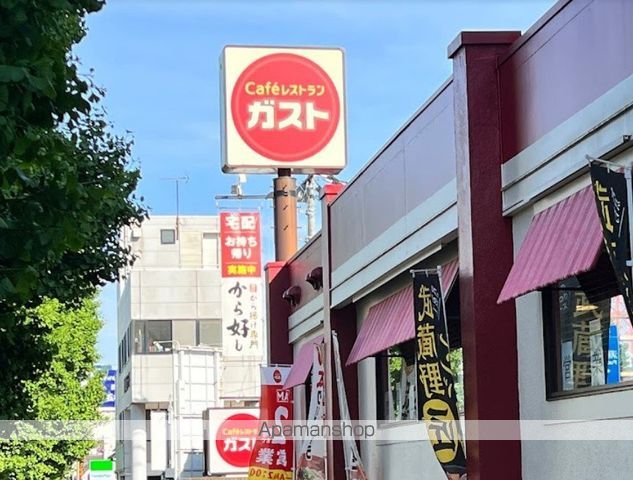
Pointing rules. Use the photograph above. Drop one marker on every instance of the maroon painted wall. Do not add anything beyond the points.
(306, 259)
(573, 55)
(343, 321)
(417, 163)
(279, 349)
(488, 330)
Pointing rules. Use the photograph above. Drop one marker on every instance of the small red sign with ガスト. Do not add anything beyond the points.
(235, 439)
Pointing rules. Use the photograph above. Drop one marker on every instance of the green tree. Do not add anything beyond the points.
(66, 182)
(456, 359)
(69, 389)
(66, 187)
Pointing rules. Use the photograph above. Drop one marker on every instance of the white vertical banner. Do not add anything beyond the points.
(242, 317)
(311, 461)
(354, 469)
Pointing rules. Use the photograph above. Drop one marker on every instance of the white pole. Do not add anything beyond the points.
(310, 206)
(179, 387)
(139, 442)
(629, 205)
(172, 414)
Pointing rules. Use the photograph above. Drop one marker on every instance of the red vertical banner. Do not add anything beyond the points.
(240, 233)
(273, 455)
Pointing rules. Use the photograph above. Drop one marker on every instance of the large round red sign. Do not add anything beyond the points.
(235, 439)
(285, 107)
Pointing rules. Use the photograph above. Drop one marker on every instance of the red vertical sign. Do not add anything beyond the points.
(273, 455)
(240, 233)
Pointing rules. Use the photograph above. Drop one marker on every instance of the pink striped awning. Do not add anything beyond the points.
(302, 364)
(449, 275)
(562, 241)
(391, 321)
(388, 323)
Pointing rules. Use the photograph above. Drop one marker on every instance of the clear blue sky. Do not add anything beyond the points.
(158, 60)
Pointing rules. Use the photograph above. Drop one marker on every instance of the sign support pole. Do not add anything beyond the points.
(285, 207)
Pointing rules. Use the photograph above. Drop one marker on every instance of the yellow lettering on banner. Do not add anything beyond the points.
(258, 473)
(442, 428)
(603, 198)
(431, 379)
(427, 305)
(426, 341)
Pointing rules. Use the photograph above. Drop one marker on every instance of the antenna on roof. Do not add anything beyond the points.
(177, 181)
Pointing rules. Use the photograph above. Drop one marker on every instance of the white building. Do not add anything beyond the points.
(170, 348)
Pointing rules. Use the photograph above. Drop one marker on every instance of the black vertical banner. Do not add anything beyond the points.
(609, 188)
(437, 399)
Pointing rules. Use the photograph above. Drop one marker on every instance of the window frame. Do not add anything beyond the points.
(382, 381)
(180, 322)
(145, 339)
(162, 238)
(551, 341)
(453, 330)
(198, 330)
(136, 325)
(171, 339)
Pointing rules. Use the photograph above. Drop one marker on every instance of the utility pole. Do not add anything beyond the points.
(308, 193)
(311, 187)
(285, 212)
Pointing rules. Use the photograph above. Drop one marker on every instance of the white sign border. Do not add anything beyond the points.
(328, 160)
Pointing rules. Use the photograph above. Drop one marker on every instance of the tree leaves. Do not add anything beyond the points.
(68, 387)
(66, 191)
(9, 73)
(66, 181)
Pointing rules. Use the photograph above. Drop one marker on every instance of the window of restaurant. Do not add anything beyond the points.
(396, 382)
(396, 370)
(588, 334)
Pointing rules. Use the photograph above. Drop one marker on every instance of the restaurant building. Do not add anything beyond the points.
(489, 180)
